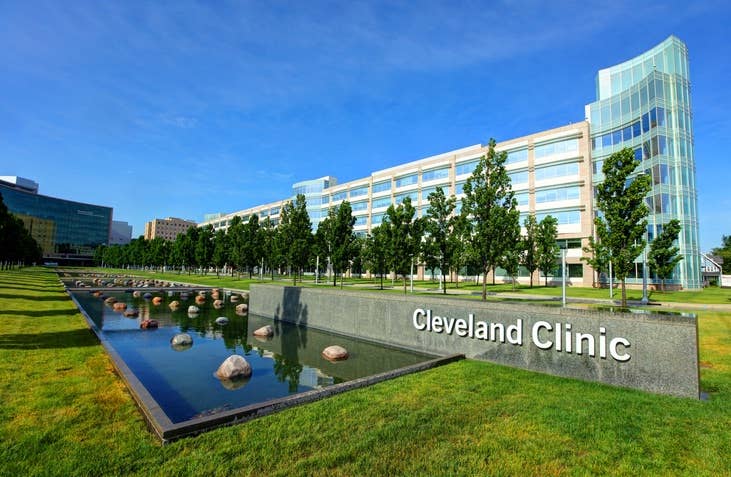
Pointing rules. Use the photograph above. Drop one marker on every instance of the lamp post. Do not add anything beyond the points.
(645, 300)
(411, 276)
(563, 276)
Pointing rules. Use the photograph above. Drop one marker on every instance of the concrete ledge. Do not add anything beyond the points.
(651, 352)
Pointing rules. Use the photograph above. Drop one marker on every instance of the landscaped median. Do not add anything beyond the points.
(65, 412)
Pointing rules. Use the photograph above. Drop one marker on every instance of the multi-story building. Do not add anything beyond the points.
(642, 103)
(168, 228)
(121, 233)
(67, 231)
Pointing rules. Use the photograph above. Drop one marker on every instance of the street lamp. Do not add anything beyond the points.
(645, 300)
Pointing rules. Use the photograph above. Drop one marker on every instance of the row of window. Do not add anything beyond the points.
(650, 120)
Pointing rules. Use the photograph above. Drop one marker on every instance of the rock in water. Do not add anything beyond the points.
(131, 313)
(148, 324)
(234, 366)
(266, 330)
(335, 353)
(157, 300)
(221, 320)
(181, 341)
(218, 304)
(193, 309)
(174, 305)
(242, 309)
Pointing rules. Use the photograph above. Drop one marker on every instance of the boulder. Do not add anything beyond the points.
(147, 296)
(131, 313)
(233, 367)
(218, 304)
(234, 298)
(157, 300)
(242, 309)
(174, 305)
(181, 340)
(202, 293)
(221, 320)
(119, 306)
(148, 324)
(335, 353)
(110, 300)
(200, 299)
(193, 309)
(266, 330)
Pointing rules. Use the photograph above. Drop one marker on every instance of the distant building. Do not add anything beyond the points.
(67, 231)
(168, 228)
(121, 233)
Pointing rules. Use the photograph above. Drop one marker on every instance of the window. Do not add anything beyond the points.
(560, 170)
(382, 202)
(560, 147)
(555, 195)
(435, 174)
(466, 167)
(339, 196)
(376, 219)
(414, 196)
(425, 193)
(359, 191)
(381, 186)
(522, 198)
(519, 155)
(362, 205)
(564, 218)
(407, 180)
(519, 177)
(275, 211)
(361, 220)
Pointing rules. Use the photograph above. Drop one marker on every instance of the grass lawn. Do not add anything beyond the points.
(65, 412)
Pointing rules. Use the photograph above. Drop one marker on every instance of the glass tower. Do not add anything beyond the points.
(644, 104)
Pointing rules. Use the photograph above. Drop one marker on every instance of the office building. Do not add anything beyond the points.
(68, 232)
(168, 228)
(642, 103)
(121, 233)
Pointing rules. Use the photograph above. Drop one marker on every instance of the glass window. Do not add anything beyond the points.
(627, 133)
(555, 195)
(407, 180)
(617, 137)
(413, 195)
(645, 122)
(425, 193)
(559, 170)
(362, 205)
(661, 117)
(564, 218)
(519, 155)
(339, 196)
(466, 167)
(381, 186)
(519, 177)
(522, 198)
(275, 211)
(435, 174)
(607, 140)
(636, 132)
(361, 220)
(382, 202)
(359, 191)
(376, 219)
(560, 147)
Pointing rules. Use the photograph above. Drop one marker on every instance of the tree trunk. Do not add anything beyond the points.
(484, 284)
(624, 295)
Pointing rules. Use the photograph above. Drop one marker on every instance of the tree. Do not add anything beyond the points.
(269, 249)
(440, 225)
(339, 237)
(220, 250)
(622, 222)
(296, 233)
(403, 234)
(251, 244)
(16, 243)
(530, 246)
(235, 234)
(724, 252)
(599, 257)
(491, 206)
(204, 247)
(547, 246)
(664, 255)
(459, 244)
(512, 246)
(375, 252)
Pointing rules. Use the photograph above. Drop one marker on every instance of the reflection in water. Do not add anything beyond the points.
(183, 383)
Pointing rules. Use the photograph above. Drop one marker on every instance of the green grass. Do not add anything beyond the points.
(65, 412)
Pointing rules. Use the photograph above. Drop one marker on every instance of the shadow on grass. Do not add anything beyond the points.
(54, 288)
(38, 313)
(55, 340)
(55, 297)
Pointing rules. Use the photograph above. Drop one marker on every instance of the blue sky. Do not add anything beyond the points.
(184, 108)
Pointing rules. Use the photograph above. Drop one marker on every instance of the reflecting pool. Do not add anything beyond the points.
(182, 379)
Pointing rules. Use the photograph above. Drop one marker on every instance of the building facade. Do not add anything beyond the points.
(67, 231)
(168, 228)
(121, 233)
(554, 172)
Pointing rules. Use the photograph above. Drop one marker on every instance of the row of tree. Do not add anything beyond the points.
(483, 236)
(17, 247)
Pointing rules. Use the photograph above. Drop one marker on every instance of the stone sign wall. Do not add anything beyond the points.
(657, 353)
